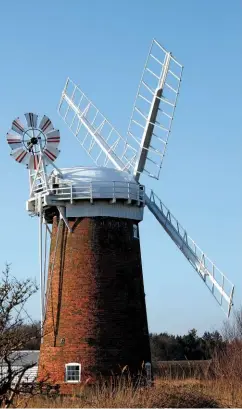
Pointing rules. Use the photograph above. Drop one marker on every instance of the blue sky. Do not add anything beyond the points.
(102, 45)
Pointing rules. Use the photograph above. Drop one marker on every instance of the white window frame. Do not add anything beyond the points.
(135, 231)
(66, 371)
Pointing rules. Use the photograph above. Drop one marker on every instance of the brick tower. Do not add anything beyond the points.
(95, 318)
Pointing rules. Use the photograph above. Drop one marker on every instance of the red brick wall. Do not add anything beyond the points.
(96, 301)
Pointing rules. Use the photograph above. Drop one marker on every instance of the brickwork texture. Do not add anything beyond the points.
(96, 313)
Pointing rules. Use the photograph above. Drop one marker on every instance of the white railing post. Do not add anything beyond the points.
(91, 192)
(71, 195)
(113, 191)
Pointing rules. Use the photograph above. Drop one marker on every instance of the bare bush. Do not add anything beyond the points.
(14, 335)
(228, 360)
(232, 330)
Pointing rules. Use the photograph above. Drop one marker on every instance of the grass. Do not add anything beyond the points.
(165, 393)
(183, 389)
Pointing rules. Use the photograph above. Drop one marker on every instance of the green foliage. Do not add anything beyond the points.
(166, 347)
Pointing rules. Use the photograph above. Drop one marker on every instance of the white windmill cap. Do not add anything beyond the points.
(94, 174)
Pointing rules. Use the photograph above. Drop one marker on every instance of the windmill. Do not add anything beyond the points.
(93, 302)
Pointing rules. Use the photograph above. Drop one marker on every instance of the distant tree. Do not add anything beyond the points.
(32, 333)
(14, 333)
(167, 347)
(191, 345)
(212, 342)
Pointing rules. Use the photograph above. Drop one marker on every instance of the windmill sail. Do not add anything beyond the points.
(107, 147)
(94, 132)
(153, 111)
(218, 284)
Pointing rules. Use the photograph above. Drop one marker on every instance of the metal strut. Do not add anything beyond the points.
(51, 273)
(41, 267)
(62, 216)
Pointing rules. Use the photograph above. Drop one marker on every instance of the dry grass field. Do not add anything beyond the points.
(189, 393)
(211, 384)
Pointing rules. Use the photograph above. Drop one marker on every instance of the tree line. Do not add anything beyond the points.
(167, 347)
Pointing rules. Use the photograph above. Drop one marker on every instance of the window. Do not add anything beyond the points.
(135, 231)
(73, 372)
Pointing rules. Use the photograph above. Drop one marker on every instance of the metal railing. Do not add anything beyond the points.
(113, 190)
